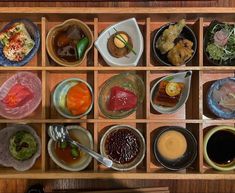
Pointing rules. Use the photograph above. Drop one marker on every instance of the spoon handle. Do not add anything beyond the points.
(107, 162)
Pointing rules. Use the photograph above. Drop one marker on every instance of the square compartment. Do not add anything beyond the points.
(37, 167)
(154, 165)
(51, 166)
(105, 75)
(5, 75)
(89, 59)
(103, 25)
(103, 127)
(53, 78)
(190, 110)
(156, 25)
(208, 78)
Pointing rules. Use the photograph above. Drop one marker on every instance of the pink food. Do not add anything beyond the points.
(121, 99)
(17, 96)
(221, 37)
(225, 95)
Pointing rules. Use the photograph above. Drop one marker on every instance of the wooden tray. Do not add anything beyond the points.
(194, 115)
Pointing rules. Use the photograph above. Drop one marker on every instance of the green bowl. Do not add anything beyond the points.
(129, 81)
(227, 167)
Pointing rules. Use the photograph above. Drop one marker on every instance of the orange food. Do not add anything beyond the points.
(78, 99)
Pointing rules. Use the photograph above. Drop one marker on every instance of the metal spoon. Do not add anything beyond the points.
(60, 133)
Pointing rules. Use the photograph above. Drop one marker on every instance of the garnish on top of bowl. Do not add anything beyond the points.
(219, 43)
(73, 98)
(120, 95)
(175, 44)
(120, 44)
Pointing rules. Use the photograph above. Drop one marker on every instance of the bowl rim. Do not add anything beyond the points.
(181, 130)
(56, 59)
(155, 40)
(214, 108)
(36, 39)
(116, 127)
(110, 62)
(206, 139)
(154, 87)
(56, 91)
(103, 86)
(64, 166)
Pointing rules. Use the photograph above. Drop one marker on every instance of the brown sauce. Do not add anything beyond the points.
(122, 146)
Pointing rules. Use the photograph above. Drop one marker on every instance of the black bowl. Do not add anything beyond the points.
(208, 39)
(187, 33)
(189, 156)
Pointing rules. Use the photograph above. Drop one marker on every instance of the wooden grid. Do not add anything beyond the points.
(194, 115)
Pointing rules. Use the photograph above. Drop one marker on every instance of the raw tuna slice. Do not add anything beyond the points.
(121, 99)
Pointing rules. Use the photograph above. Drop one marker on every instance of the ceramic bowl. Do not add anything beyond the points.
(187, 33)
(60, 93)
(130, 26)
(54, 31)
(189, 156)
(29, 80)
(184, 77)
(207, 40)
(131, 82)
(85, 138)
(208, 135)
(34, 33)
(213, 105)
(133, 164)
(6, 159)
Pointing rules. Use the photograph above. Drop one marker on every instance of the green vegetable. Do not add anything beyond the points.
(63, 145)
(215, 52)
(81, 47)
(73, 146)
(75, 152)
(22, 145)
(170, 78)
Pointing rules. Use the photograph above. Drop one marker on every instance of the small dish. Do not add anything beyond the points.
(207, 137)
(130, 26)
(60, 94)
(33, 31)
(182, 77)
(27, 80)
(135, 161)
(214, 105)
(85, 138)
(187, 33)
(188, 157)
(209, 38)
(6, 158)
(50, 39)
(128, 81)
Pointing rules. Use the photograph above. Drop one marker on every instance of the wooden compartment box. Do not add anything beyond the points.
(194, 115)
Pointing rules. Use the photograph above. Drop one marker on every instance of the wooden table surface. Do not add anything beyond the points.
(179, 186)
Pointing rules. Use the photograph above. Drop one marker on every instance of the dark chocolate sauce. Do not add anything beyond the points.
(122, 146)
(221, 147)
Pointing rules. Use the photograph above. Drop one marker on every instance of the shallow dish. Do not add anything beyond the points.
(184, 77)
(6, 158)
(34, 32)
(60, 93)
(129, 81)
(130, 26)
(213, 105)
(187, 33)
(85, 138)
(30, 81)
(139, 158)
(189, 156)
(54, 31)
(227, 167)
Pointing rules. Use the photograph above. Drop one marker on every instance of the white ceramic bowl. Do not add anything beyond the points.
(85, 138)
(130, 26)
(177, 77)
